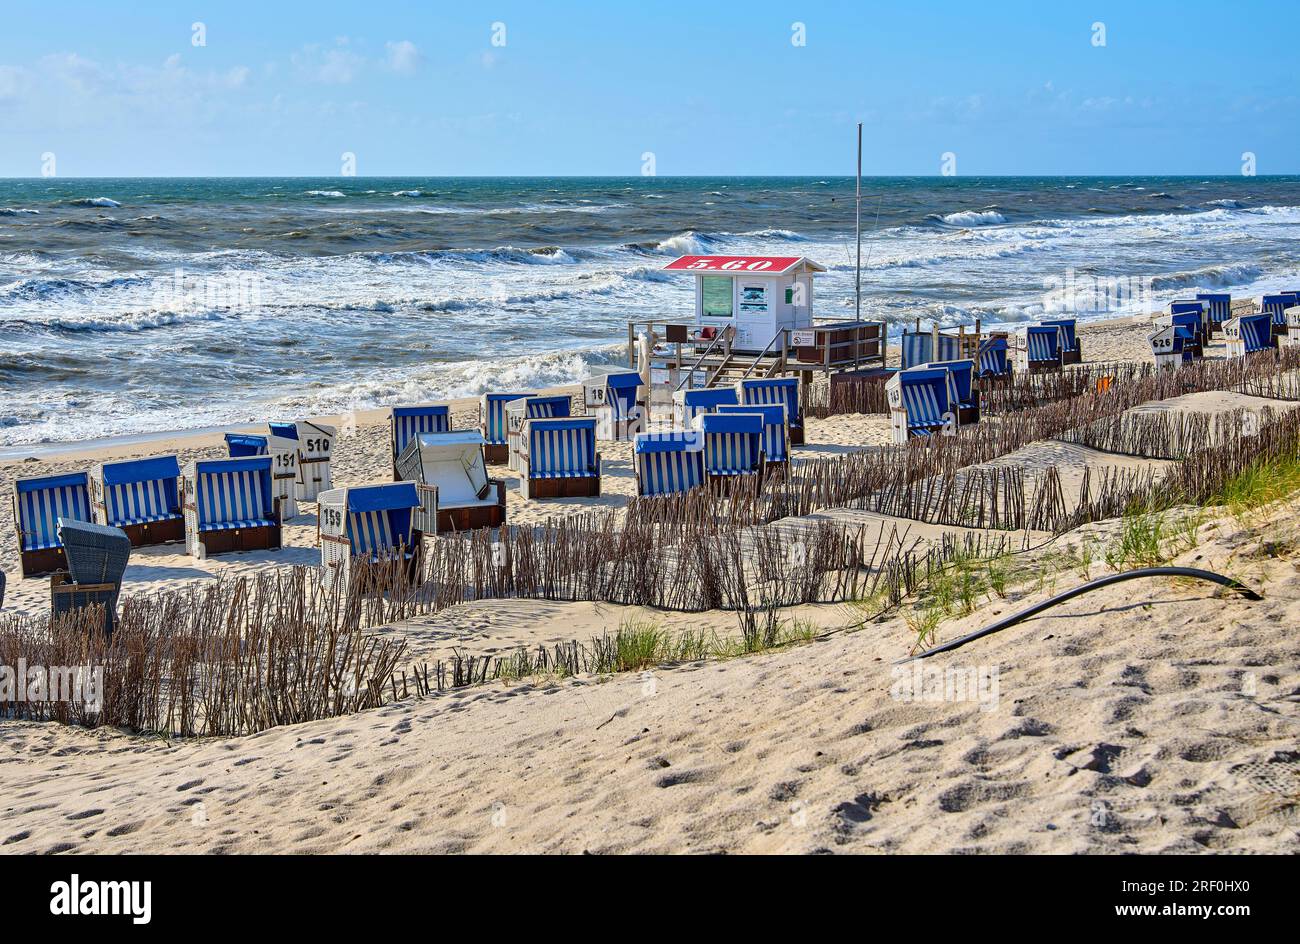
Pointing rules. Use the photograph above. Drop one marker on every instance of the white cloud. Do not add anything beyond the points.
(338, 65)
(403, 57)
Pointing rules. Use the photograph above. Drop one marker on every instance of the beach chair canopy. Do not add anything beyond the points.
(41, 501)
(993, 360)
(97, 557)
(492, 415)
(668, 462)
(287, 430)
(706, 400)
(1067, 326)
(784, 390)
(1042, 342)
(410, 421)
(230, 494)
(962, 374)
(1193, 307)
(776, 432)
(926, 393)
(141, 491)
(243, 444)
(453, 462)
(733, 443)
(561, 448)
(1220, 305)
(96, 553)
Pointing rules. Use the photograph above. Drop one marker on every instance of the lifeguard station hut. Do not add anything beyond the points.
(758, 295)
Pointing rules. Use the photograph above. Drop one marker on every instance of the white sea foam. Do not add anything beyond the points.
(974, 218)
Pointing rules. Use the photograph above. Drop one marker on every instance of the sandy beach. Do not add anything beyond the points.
(1153, 716)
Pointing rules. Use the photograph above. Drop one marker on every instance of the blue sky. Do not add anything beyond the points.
(285, 88)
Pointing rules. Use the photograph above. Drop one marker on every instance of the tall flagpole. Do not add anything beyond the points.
(857, 229)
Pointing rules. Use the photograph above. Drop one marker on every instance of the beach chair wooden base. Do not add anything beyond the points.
(796, 435)
(45, 561)
(496, 453)
(1073, 357)
(577, 487)
(725, 484)
(66, 596)
(1279, 332)
(241, 539)
(1044, 367)
(474, 517)
(968, 414)
(155, 532)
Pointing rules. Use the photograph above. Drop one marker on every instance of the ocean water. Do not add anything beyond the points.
(130, 306)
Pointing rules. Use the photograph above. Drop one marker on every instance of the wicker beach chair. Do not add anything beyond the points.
(1071, 350)
(492, 424)
(612, 399)
(783, 390)
(1220, 309)
(407, 422)
(452, 483)
(776, 431)
(921, 403)
(1169, 345)
(733, 445)
(1038, 348)
(963, 393)
(97, 558)
(371, 523)
(1249, 334)
(668, 462)
(520, 411)
(230, 505)
(142, 497)
(558, 458)
(994, 364)
(38, 504)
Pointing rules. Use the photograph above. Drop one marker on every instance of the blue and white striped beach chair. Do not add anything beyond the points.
(1189, 325)
(530, 408)
(733, 445)
(1038, 348)
(993, 361)
(918, 347)
(368, 523)
(1071, 351)
(1249, 334)
(1170, 345)
(688, 404)
(776, 433)
(407, 422)
(1220, 305)
(668, 462)
(239, 445)
(39, 503)
(783, 390)
(558, 458)
(921, 403)
(964, 396)
(492, 424)
(230, 505)
(1275, 306)
(612, 399)
(142, 497)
